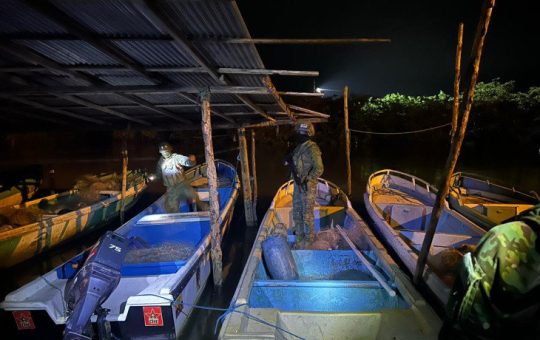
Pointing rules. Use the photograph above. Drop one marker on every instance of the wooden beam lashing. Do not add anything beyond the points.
(457, 141)
(347, 139)
(211, 173)
(246, 179)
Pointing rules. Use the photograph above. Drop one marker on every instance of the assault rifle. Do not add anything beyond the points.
(290, 163)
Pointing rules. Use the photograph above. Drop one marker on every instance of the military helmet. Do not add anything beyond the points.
(165, 147)
(305, 129)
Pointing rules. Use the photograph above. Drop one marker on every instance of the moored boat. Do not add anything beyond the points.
(400, 205)
(485, 202)
(159, 282)
(38, 225)
(17, 193)
(340, 293)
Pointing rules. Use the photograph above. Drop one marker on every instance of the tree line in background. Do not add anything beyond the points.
(502, 118)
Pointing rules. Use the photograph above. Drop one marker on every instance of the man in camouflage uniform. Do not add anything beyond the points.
(306, 168)
(170, 169)
(497, 292)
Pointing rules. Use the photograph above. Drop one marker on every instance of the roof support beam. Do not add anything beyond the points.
(194, 100)
(168, 70)
(280, 41)
(311, 112)
(301, 94)
(16, 112)
(51, 109)
(94, 106)
(151, 10)
(82, 90)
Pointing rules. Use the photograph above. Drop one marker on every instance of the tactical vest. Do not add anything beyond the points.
(303, 158)
(172, 171)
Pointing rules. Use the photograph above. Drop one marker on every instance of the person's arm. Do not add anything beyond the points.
(186, 161)
(317, 168)
(158, 174)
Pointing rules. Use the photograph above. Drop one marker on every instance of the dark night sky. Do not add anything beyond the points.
(420, 59)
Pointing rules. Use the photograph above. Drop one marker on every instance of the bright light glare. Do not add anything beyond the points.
(318, 90)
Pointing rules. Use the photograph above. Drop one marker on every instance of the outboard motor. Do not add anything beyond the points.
(92, 285)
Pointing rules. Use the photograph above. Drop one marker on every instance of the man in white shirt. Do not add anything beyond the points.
(170, 168)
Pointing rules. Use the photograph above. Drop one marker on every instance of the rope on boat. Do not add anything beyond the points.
(401, 133)
(228, 311)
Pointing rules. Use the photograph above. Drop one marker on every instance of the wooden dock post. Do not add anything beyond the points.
(457, 81)
(211, 174)
(124, 184)
(347, 139)
(246, 179)
(254, 174)
(457, 141)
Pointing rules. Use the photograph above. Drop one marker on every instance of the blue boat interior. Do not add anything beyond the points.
(153, 228)
(329, 281)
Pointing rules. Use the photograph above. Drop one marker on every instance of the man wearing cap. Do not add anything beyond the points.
(170, 169)
(306, 167)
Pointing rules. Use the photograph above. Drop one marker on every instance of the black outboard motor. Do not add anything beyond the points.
(92, 285)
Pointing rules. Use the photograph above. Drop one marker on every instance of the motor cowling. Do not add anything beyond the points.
(92, 285)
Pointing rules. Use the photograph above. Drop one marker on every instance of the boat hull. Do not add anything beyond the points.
(23, 243)
(335, 296)
(153, 300)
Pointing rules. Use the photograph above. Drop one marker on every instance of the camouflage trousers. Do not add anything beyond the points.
(177, 193)
(303, 215)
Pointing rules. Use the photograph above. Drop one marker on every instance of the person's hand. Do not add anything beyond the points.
(192, 158)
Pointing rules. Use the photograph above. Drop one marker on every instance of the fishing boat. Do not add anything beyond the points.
(400, 205)
(35, 226)
(157, 280)
(350, 291)
(486, 202)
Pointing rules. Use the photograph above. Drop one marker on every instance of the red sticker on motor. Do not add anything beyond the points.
(23, 319)
(152, 316)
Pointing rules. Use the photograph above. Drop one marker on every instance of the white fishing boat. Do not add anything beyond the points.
(163, 273)
(352, 291)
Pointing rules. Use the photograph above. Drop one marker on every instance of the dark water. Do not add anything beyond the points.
(425, 161)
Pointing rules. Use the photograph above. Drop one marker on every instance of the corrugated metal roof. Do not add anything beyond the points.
(69, 52)
(121, 43)
(18, 17)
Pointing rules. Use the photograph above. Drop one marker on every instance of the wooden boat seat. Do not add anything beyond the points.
(406, 216)
(173, 218)
(498, 212)
(324, 216)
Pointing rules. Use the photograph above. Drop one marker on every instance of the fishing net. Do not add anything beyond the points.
(17, 217)
(445, 262)
(89, 186)
(331, 239)
(165, 252)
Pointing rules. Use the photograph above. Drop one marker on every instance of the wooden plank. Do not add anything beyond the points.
(145, 89)
(347, 139)
(457, 80)
(281, 41)
(457, 141)
(246, 178)
(211, 174)
(301, 94)
(254, 173)
(366, 262)
(311, 112)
